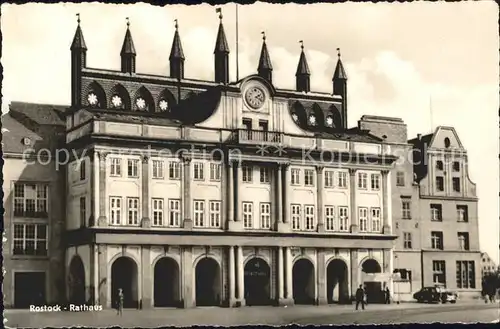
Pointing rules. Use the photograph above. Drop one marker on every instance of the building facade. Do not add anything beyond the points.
(488, 265)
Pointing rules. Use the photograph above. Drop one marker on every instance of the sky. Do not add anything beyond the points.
(428, 63)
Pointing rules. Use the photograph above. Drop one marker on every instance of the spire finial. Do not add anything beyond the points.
(263, 35)
(78, 19)
(128, 22)
(176, 24)
(301, 44)
(338, 52)
(219, 10)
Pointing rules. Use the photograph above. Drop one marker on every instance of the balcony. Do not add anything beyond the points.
(247, 136)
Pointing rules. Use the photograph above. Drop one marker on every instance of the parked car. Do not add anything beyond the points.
(435, 295)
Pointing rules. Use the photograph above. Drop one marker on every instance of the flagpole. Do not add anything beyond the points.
(237, 50)
(430, 113)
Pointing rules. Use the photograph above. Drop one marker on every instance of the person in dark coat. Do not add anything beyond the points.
(120, 302)
(387, 294)
(360, 297)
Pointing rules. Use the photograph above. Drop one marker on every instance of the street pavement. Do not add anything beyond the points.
(466, 311)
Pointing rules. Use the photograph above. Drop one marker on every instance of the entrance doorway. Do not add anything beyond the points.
(76, 281)
(303, 282)
(208, 283)
(124, 276)
(257, 281)
(166, 283)
(337, 282)
(29, 289)
(374, 293)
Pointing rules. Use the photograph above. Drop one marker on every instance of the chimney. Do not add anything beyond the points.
(419, 136)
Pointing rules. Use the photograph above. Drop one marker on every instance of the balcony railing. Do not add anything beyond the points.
(261, 136)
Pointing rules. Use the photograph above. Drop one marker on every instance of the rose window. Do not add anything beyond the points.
(141, 103)
(163, 105)
(329, 121)
(116, 101)
(312, 120)
(92, 99)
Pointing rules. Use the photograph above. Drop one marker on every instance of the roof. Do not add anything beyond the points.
(78, 41)
(340, 71)
(176, 51)
(221, 45)
(303, 67)
(115, 116)
(41, 114)
(264, 59)
(128, 44)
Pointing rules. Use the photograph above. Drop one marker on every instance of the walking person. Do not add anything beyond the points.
(360, 297)
(120, 302)
(387, 294)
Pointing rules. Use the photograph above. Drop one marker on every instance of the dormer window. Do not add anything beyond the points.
(116, 101)
(141, 103)
(163, 105)
(329, 121)
(295, 117)
(92, 99)
(312, 120)
(447, 142)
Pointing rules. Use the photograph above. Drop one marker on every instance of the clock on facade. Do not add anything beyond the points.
(255, 97)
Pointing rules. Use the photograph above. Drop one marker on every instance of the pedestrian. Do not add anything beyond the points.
(120, 302)
(387, 293)
(360, 297)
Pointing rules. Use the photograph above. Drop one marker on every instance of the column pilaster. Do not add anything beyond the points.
(230, 191)
(236, 224)
(186, 189)
(354, 271)
(353, 204)
(94, 189)
(321, 284)
(289, 278)
(232, 277)
(102, 286)
(319, 197)
(281, 276)
(284, 198)
(386, 202)
(240, 276)
(102, 221)
(95, 273)
(145, 221)
(187, 277)
(146, 299)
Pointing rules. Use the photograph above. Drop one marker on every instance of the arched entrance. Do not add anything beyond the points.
(373, 286)
(337, 282)
(303, 282)
(76, 281)
(166, 283)
(257, 282)
(124, 276)
(208, 283)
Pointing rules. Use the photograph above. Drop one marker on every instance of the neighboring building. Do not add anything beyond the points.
(448, 207)
(264, 221)
(488, 265)
(33, 254)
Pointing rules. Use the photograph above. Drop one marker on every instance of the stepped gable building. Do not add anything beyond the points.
(187, 192)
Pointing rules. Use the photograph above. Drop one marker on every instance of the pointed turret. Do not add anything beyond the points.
(177, 56)
(221, 54)
(340, 87)
(265, 68)
(302, 76)
(128, 52)
(78, 62)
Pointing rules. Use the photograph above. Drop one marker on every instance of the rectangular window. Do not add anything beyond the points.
(329, 178)
(116, 167)
(330, 218)
(456, 166)
(296, 217)
(439, 165)
(83, 211)
(174, 213)
(341, 179)
(265, 215)
(215, 209)
(343, 219)
(400, 178)
(309, 177)
(437, 240)
(115, 206)
(83, 169)
(133, 168)
(133, 211)
(295, 176)
(406, 209)
(30, 239)
(247, 123)
(456, 184)
(404, 273)
(30, 200)
(466, 276)
(439, 272)
(362, 181)
(264, 175)
(174, 170)
(440, 183)
(157, 212)
(247, 214)
(215, 171)
(157, 169)
(407, 241)
(463, 240)
(199, 213)
(363, 219)
(246, 172)
(309, 217)
(375, 182)
(198, 172)
(462, 213)
(436, 212)
(375, 224)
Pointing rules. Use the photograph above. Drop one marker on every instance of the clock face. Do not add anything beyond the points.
(255, 97)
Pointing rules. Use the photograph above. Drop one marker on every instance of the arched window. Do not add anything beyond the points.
(96, 96)
(312, 120)
(119, 98)
(144, 101)
(165, 101)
